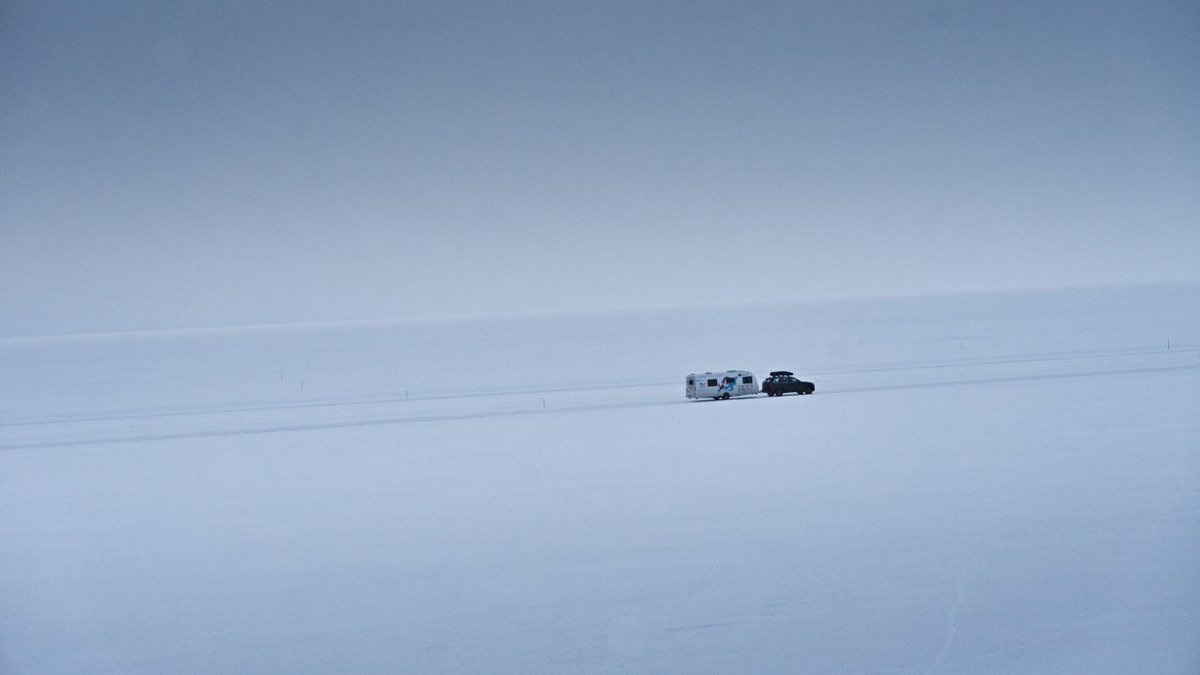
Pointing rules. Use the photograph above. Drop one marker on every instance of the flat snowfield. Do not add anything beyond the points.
(981, 484)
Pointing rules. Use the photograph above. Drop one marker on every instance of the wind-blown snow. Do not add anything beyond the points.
(981, 484)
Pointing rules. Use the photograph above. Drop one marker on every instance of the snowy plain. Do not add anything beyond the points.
(992, 483)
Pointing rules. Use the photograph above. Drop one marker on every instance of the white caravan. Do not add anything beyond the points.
(721, 385)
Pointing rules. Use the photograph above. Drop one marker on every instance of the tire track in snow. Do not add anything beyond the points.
(320, 426)
(1006, 360)
(1011, 378)
(305, 405)
(951, 627)
(395, 397)
(423, 419)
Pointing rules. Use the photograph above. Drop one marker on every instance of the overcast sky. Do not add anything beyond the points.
(172, 164)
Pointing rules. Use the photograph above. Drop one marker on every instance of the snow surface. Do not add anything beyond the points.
(981, 484)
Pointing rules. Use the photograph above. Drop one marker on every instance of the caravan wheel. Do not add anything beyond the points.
(725, 396)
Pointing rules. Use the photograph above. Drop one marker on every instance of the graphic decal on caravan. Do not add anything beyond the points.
(722, 385)
(728, 384)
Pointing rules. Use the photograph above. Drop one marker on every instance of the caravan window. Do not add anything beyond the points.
(712, 383)
(747, 379)
(691, 382)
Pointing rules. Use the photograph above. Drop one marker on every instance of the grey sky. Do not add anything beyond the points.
(190, 164)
